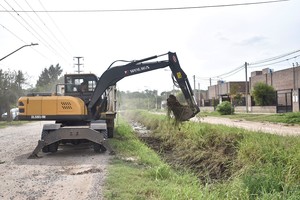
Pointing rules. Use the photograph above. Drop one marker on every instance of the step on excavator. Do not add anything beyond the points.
(83, 108)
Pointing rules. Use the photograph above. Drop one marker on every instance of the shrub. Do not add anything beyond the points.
(225, 108)
(264, 95)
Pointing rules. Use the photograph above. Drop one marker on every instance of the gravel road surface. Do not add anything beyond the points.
(280, 129)
(74, 172)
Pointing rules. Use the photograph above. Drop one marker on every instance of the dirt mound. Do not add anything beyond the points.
(180, 112)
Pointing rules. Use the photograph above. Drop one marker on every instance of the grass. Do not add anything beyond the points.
(203, 161)
(137, 172)
(286, 118)
(4, 124)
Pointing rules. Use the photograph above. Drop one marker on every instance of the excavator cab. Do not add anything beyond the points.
(80, 85)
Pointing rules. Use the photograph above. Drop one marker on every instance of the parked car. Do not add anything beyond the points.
(14, 112)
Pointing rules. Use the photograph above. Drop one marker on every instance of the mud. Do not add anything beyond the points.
(145, 135)
(181, 112)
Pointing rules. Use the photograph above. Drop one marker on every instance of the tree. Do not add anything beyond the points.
(237, 100)
(48, 79)
(10, 89)
(20, 79)
(264, 95)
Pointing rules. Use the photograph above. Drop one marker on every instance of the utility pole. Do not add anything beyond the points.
(199, 92)
(78, 64)
(246, 84)
(194, 77)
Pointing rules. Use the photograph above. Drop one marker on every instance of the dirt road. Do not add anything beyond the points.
(74, 172)
(280, 129)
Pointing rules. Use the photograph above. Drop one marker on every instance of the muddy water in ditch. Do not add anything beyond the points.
(209, 167)
(145, 136)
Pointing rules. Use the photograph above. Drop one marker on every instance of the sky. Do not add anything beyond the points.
(209, 41)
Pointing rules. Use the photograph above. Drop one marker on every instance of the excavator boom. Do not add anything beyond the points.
(114, 74)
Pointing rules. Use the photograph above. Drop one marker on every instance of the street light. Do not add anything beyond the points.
(27, 45)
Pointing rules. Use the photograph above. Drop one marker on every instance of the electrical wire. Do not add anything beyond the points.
(276, 62)
(274, 58)
(35, 34)
(24, 41)
(237, 71)
(53, 35)
(13, 33)
(153, 9)
(230, 73)
(253, 64)
(56, 26)
(34, 22)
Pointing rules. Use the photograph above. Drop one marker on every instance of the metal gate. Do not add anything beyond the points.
(284, 101)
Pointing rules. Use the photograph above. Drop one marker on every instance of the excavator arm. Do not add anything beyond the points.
(114, 74)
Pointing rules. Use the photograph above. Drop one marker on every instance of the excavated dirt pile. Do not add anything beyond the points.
(180, 112)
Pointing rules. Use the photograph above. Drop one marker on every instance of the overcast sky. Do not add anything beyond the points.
(208, 41)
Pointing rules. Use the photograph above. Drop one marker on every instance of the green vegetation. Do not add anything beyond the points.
(13, 84)
(202, 161)
(225, 108)
(48, 79)
(264, 94)
(138, 173)
(4, 124)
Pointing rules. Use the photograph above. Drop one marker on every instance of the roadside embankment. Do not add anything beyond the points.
(232, 163)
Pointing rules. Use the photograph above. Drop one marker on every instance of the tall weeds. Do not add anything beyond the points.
(235, 163)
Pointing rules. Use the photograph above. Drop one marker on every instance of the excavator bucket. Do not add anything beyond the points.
(180, 112)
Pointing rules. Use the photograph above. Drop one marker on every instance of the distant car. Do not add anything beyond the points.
(14, 112)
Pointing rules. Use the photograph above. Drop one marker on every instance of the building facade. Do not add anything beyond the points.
(226, 91)
(286, 83)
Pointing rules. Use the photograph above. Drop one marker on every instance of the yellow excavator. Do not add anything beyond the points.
(84, 107)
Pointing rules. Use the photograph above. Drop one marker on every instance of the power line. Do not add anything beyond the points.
(34, 22)
(35, 34)
(274, 58)
(205, 78)
(227, 74)
(24, 41)
(53, 35)
(17, 20)
(152, 9)
(238, 69)
(276, 62)
(65, 38)
(13, 34)
(233, 73)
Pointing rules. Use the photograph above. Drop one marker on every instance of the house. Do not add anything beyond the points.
(286, 83)
(227, 91)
